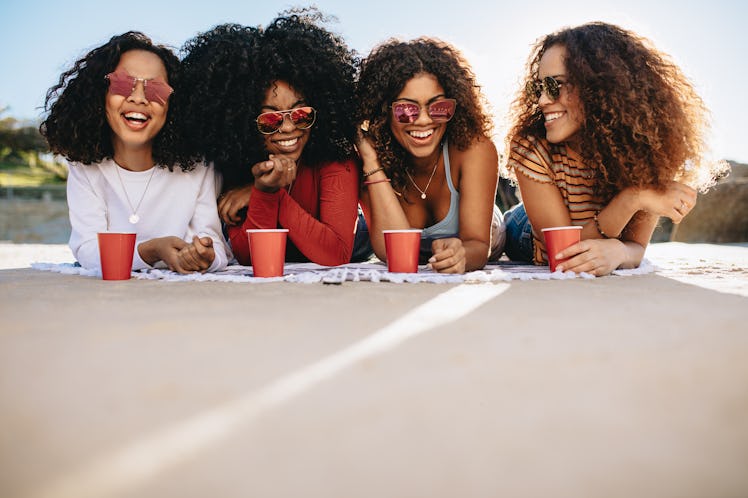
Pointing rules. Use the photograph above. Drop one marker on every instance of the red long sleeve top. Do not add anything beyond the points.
(320, 213)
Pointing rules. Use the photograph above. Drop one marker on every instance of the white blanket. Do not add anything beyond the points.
(310, 273)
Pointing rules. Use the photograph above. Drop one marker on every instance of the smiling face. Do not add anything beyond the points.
(135, 121)
(422, 137)
(288, 140)
(563, 116)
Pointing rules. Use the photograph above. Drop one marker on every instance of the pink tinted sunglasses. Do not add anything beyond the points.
(440, 111)
(301, 117)
(121, 83)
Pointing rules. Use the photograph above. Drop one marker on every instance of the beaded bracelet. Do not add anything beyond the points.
(600, 230)
(365, 175)
(371, 182)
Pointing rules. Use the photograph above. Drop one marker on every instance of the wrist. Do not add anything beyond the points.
(632, 197)
(603, 234)
(367, 173)
(380, 180)
(265, 188)
(148, 251)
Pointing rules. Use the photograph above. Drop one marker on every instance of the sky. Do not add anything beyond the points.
(42, 38)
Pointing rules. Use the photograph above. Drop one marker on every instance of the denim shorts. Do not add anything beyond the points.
(519, 244)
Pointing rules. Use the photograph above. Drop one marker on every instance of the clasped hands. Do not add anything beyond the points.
(269, 176)
(178, 255)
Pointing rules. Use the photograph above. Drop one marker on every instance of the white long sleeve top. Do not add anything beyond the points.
(174, 203)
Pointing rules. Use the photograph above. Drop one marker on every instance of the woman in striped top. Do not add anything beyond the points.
(607, 134)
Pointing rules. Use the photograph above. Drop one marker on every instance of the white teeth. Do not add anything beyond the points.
(553, 115)
(287, 143)
(136, 115)
(421, 134)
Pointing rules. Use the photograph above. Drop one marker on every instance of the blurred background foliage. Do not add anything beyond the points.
(25, 160)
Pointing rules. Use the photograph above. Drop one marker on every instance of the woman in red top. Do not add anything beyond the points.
(272, 108)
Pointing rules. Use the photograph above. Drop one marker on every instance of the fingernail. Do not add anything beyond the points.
(432, 259)
(560, 268)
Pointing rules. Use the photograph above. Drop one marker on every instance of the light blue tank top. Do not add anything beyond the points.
(449, 226)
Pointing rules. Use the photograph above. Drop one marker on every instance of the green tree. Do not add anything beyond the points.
(17, 138)
(24, 150)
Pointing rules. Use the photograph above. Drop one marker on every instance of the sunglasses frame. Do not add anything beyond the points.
(150, 86)
(288, 112)
(548, 85)
(412, 119)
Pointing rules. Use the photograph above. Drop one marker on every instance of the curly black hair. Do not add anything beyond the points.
(386, 71)
(644, 123)
(228, 70)
(76, 126)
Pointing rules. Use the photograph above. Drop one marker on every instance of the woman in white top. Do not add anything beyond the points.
(109, 116)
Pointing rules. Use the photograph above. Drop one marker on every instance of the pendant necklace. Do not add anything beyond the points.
(423, 192)
(134, 218)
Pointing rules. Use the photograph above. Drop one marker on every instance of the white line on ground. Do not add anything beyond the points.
(133, 465)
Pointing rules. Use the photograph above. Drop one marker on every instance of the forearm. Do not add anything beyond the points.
(613, 218)
(205, 221)
(383, 210)
(150, 251)
(324, 235)
(327, 241)
(476, 254)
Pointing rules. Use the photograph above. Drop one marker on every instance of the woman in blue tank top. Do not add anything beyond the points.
(428, 159)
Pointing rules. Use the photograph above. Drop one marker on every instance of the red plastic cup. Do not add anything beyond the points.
(116, 252)
(402, 248)
(267, 247)
(557, 239)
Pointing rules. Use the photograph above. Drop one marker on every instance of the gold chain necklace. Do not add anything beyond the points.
(134, 218)
(423, 192)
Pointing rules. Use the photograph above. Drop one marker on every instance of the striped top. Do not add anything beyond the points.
(557, 164)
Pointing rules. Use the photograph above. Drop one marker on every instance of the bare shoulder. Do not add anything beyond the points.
(481, 149)
(480, 155)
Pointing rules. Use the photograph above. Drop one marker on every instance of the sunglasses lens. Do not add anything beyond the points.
(269, 122)
(303, 117)
(442, 110)
(533, 89)
(405, 112)
(120, 84)
(551, 87)
(157, 91)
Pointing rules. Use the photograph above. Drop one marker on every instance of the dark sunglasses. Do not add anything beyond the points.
(121, 83)
(550, 85)
(440, 111)
(301, 117)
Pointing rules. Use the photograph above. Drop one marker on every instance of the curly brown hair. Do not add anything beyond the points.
(76, 126)
(383, 75)
(644, 124)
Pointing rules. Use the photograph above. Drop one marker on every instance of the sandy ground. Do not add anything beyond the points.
(616, 386)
